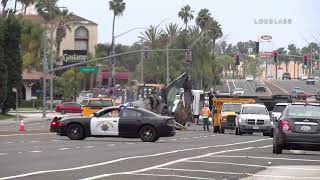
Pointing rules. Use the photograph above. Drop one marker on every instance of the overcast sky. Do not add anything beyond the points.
(237, 18)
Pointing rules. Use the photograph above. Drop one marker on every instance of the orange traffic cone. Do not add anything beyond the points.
(21, 127)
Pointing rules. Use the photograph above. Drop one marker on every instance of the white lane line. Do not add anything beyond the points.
(213, 135)
(134, 157)
(195, 137)
(173, 139)
(253, 92)
(205, 136)
(62, 149)
(9, 142)
(235, 173)
(19, 152)
(2, 154)
(165, 164)
(55, 140)
(35, 141)
(227, 163)
(130, 143)
(184, 138)
(262, 147)
(11, 125)
(78, 147)
(171, 175)
(269, 158)
(30, 134)
(228, 86)
(35, 151)
(234, 84)
(89, 147)
(161, 140)
(111, 144)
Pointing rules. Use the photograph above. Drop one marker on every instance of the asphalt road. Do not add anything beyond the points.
(188, 155)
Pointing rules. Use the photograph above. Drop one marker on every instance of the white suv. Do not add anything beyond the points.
(253, 118)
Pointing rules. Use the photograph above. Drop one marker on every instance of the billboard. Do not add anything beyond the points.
(74, 56)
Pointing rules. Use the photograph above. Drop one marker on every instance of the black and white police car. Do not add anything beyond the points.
(118, 121)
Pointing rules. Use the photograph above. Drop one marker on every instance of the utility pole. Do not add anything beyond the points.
(44, 81)
(51, 67)
(142, 64)
(167, 52)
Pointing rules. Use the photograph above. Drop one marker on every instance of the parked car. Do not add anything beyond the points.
(54, 103)
(303, 77)
(297, 129)
(68, 107)
(117, 121)
(253, 118)
(301, 95)
(238, 91)
(260, 87)
(278, 109)
(296, 89)
(96, 104)
(249, 78)
(310, 80)
(286, 76)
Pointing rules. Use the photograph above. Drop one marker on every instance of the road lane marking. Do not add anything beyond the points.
(228, 86)
(9, 142)
(2, 154)
(55, 140)
(165, 164)
(111, 144)
(62, 149)
(89, 147)
(19, 152)
(35, 151)
(173, 139)
(130, 143)
(30, 134)
(277, 87)
(195, 137)
(78, 147)
(262, 147)
(171, 175)
(269, 158)
(35, 141)
(133, 157)
(234, 84)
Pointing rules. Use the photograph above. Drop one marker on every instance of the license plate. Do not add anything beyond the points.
(255, 127)
(306, 128)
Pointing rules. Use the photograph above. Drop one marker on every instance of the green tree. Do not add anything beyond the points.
(47, 9)
(151, 36)
(4, 5)
(118, 7)
(203, 19)
(12, 59)
(186, 15)
(3, 67)
(26, 4)
(62, 18)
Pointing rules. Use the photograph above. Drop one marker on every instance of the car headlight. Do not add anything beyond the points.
(224, 119)
(267, 121)
(242, 120)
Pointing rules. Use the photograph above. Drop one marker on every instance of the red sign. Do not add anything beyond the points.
(266, 38)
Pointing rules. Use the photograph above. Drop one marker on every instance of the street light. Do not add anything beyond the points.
(113, 52)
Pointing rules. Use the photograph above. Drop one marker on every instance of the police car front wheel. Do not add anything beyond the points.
(148, 134)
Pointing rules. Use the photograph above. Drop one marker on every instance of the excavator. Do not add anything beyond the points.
(164, 102)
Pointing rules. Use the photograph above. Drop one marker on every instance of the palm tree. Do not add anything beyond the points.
(151, 36)
(186, 15)
(203, 19)
(25, 4)
(214, 32)
(4, 5)
(63, 17)
(171, 32)
(118, 7)
(47, 9)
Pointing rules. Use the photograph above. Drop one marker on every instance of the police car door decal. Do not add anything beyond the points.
(104, 126)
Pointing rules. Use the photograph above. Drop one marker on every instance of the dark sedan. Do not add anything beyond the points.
(125, 122)
(298, 128)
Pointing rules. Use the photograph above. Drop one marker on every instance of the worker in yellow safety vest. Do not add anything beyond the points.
(205, 112)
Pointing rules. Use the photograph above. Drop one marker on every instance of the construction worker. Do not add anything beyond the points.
(205, 112)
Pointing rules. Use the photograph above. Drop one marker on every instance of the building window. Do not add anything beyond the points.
(81, 38)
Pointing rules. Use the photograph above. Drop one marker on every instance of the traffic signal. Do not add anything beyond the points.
(305, 59)
(237, 59)
(257, 47)
(275, 56)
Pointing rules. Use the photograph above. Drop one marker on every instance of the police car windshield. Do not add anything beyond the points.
(231, 107)
(254, 110)
(100, 103)
(301, 111)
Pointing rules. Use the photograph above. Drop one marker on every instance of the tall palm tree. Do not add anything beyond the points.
(118, 7)
(25, 4)
(4, 5)
(151, 36)
(214, 32)
(186, 15)
(203, 19)
(63, 17)
(171, 32)
(47, 9)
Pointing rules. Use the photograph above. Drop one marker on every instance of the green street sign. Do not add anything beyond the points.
(88, 69)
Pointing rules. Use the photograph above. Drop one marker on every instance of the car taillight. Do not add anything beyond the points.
(285, 125)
